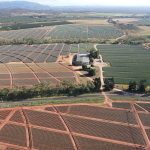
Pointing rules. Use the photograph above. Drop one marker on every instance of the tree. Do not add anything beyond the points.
(97, 84)
(92, 72)
(109, 84)
(90, 86)
(84, 67)
(132, 86)
(4, 94)
(91, 61)
(29, 41)
(94, 53)
(142, 86)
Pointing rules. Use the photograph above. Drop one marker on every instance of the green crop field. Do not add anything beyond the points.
(127, 63)
(144, 22)
(85, 32)
(65, 32)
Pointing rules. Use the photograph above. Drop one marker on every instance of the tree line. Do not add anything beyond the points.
(130, 40)
(137, 87)
(47, 90)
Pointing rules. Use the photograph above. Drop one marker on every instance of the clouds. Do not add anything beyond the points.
(93, 2)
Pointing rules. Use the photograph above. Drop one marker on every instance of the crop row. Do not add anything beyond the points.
(44, 119)
(35, 33)
(13, 134)
(46, 130)
(85, 32)
(88, 144)
(31, 74)
(146, 106)
(126, 62)
(145, 118)
(46, 140)
(123, 105)
(39, 53)
(65, 32)
(105, 130)
(100, 113)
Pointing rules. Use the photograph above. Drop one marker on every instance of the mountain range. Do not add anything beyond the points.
(23, 5)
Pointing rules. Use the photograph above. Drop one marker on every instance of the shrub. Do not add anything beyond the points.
(97, 84)
(92, 72)
(132, 86)
(142, 86)
(109, 84)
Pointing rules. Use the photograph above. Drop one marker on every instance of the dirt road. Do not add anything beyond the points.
(100, 63)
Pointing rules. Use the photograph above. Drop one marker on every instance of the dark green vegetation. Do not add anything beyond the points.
(97, 83)
(135, 87)
(29, 19)
(46, 90)
(24, 19)
(127, 63)
(91, 70)
(133, 40)
(109, 84)
(94, 53)
(17, 26)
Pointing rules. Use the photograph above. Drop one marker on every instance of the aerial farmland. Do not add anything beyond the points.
(74, 77)
(64, 32)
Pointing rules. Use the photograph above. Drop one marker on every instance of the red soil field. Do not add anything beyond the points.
(68, 127)
(27, 75)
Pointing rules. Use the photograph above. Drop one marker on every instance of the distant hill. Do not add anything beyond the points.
(23, 5)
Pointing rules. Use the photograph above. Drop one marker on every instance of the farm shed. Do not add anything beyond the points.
(80, 59)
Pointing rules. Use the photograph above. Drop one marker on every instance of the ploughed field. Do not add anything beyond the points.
(71, 127)
(126, 63)
(65, 32)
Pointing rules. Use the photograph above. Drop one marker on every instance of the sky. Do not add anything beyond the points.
(91, 2)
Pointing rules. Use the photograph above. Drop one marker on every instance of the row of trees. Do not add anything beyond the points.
(30, 41)
(139, 87)
(46, 90)
(131, 40)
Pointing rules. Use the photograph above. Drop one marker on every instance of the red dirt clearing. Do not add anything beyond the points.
(72, 127)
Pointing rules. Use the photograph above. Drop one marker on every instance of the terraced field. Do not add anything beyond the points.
(68, 127)
(65, 32)
(126, 63)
